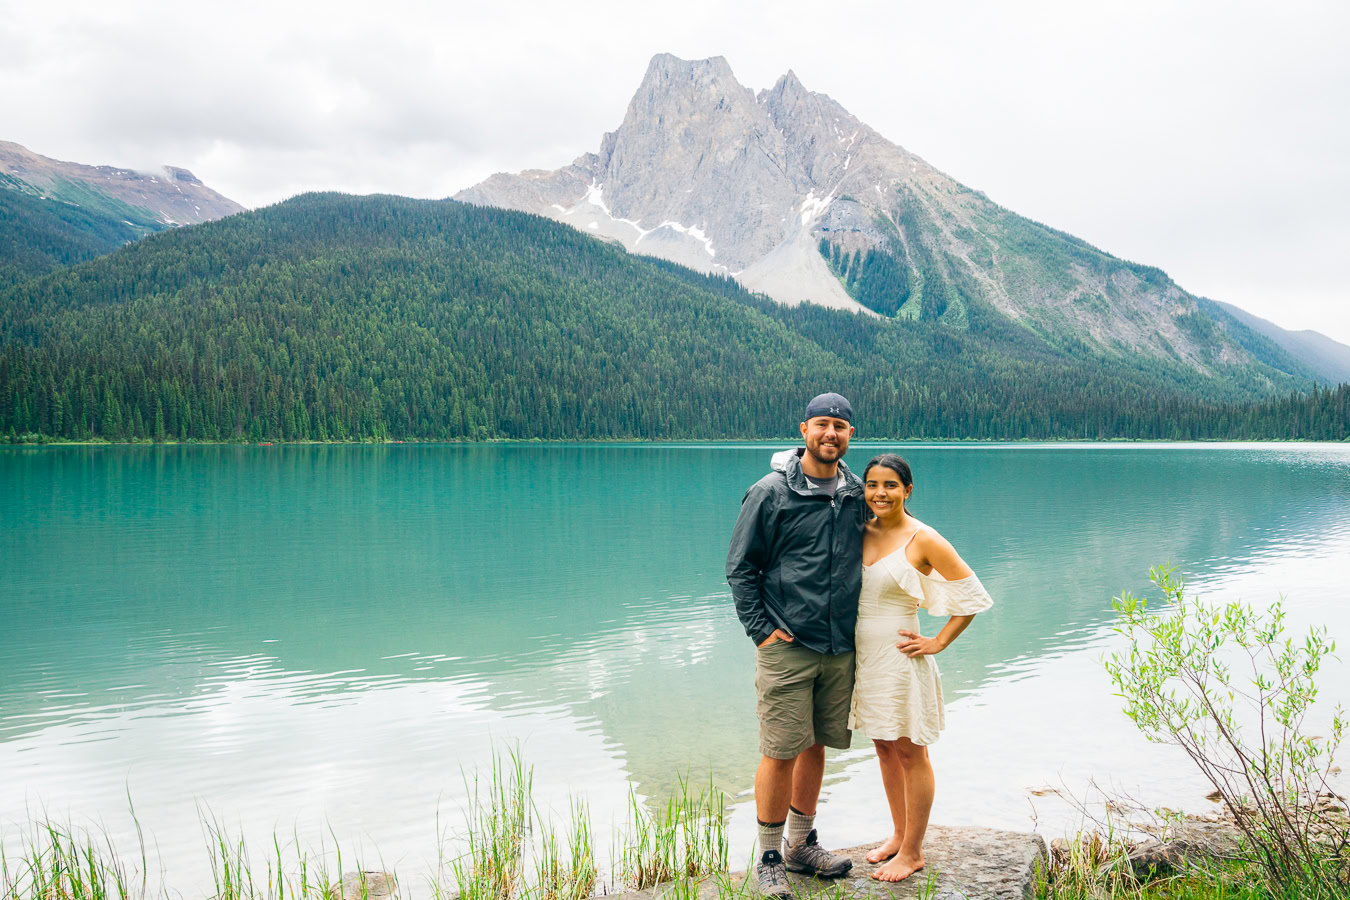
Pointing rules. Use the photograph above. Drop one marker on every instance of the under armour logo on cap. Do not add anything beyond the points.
(833, 405)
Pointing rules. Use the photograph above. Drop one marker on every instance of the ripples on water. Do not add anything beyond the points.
(299, 638)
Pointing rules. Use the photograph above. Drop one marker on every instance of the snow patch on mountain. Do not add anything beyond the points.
(694, 232)
(813, 206)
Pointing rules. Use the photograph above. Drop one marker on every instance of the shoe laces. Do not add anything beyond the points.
(773, 869)
(811, 851)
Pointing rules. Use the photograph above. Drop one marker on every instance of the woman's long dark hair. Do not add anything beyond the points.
(897, 464)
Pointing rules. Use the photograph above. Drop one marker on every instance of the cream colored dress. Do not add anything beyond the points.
(894, 695)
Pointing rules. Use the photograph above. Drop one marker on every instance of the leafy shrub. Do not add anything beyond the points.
(1225, 684)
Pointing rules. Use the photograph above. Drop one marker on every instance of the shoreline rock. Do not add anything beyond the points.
(365, 884)
(964, 863)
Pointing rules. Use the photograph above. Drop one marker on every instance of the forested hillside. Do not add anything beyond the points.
(336, 317)
(39, 234)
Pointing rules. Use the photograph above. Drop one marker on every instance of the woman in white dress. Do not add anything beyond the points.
(897, 697)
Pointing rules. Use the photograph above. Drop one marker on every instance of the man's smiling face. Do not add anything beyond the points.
(826, 438)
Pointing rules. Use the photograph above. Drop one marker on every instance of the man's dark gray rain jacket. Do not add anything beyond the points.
(796, 557)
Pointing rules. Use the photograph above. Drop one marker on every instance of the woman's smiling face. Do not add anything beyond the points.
(885, 492)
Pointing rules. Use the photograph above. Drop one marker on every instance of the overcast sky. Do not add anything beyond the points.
(1209, 139)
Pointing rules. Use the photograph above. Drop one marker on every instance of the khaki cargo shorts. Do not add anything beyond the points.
(803, 698)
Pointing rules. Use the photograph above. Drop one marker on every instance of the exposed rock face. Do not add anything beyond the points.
(172, 197)
(700, 172)
(704, 172)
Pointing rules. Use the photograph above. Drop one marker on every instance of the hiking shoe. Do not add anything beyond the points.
(771, 875)
(813, 859)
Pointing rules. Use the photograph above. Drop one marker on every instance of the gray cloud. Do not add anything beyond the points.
(1205, 138)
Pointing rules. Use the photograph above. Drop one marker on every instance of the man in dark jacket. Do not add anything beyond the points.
(795, 568)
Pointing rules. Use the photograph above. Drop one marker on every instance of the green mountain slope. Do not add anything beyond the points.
(950, 253)
(339, 317)
(1329, 359)
(55, 213)
(39, 234)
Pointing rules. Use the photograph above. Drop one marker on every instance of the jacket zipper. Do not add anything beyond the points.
(834, 516)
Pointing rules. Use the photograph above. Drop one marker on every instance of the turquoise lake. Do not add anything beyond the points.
(329, 640)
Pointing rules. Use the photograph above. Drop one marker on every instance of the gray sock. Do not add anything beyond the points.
(799, 825)
(770, 837)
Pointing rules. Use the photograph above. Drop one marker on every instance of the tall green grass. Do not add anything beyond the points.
(1096, 866)
(286, 873)
(572, 876)
(510, 851)
(57, 863)
(499, 818)
(686, 838)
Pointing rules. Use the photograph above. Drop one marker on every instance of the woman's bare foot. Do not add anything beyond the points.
(899, 868)
(886, 850)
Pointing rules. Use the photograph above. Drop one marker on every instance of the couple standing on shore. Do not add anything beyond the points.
(828, 572)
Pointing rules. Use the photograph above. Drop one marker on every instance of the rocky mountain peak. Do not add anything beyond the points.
(181, 175)
(795, 197)
(787, 88)
(666, 69)
(704, 172)
(683, 91)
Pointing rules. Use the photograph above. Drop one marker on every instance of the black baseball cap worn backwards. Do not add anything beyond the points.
(834, 405)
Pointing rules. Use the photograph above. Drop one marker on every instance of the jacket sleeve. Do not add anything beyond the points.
(747, 560)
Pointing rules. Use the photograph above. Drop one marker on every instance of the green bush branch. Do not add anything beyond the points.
(1225, 684)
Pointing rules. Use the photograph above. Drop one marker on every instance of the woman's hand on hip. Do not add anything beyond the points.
(913, 644)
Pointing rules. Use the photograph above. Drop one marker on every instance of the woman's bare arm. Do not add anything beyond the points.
(940, 556)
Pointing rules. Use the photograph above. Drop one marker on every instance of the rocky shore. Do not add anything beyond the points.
(969, 863)
(962, 864)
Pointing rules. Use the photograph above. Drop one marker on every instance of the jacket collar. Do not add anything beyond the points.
(789, 462)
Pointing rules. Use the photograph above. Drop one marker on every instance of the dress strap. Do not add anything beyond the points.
(914, 535)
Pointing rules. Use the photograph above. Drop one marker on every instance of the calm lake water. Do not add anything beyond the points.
(329, 640)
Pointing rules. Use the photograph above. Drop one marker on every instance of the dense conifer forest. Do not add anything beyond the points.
(331, 317)
(39, 234)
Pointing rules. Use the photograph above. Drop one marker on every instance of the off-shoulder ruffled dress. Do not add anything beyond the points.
(895, 695)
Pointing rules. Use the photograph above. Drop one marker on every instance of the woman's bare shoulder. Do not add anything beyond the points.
(926, 537)
(938, 552)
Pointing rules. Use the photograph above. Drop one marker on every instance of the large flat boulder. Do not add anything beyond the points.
(962, 864)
